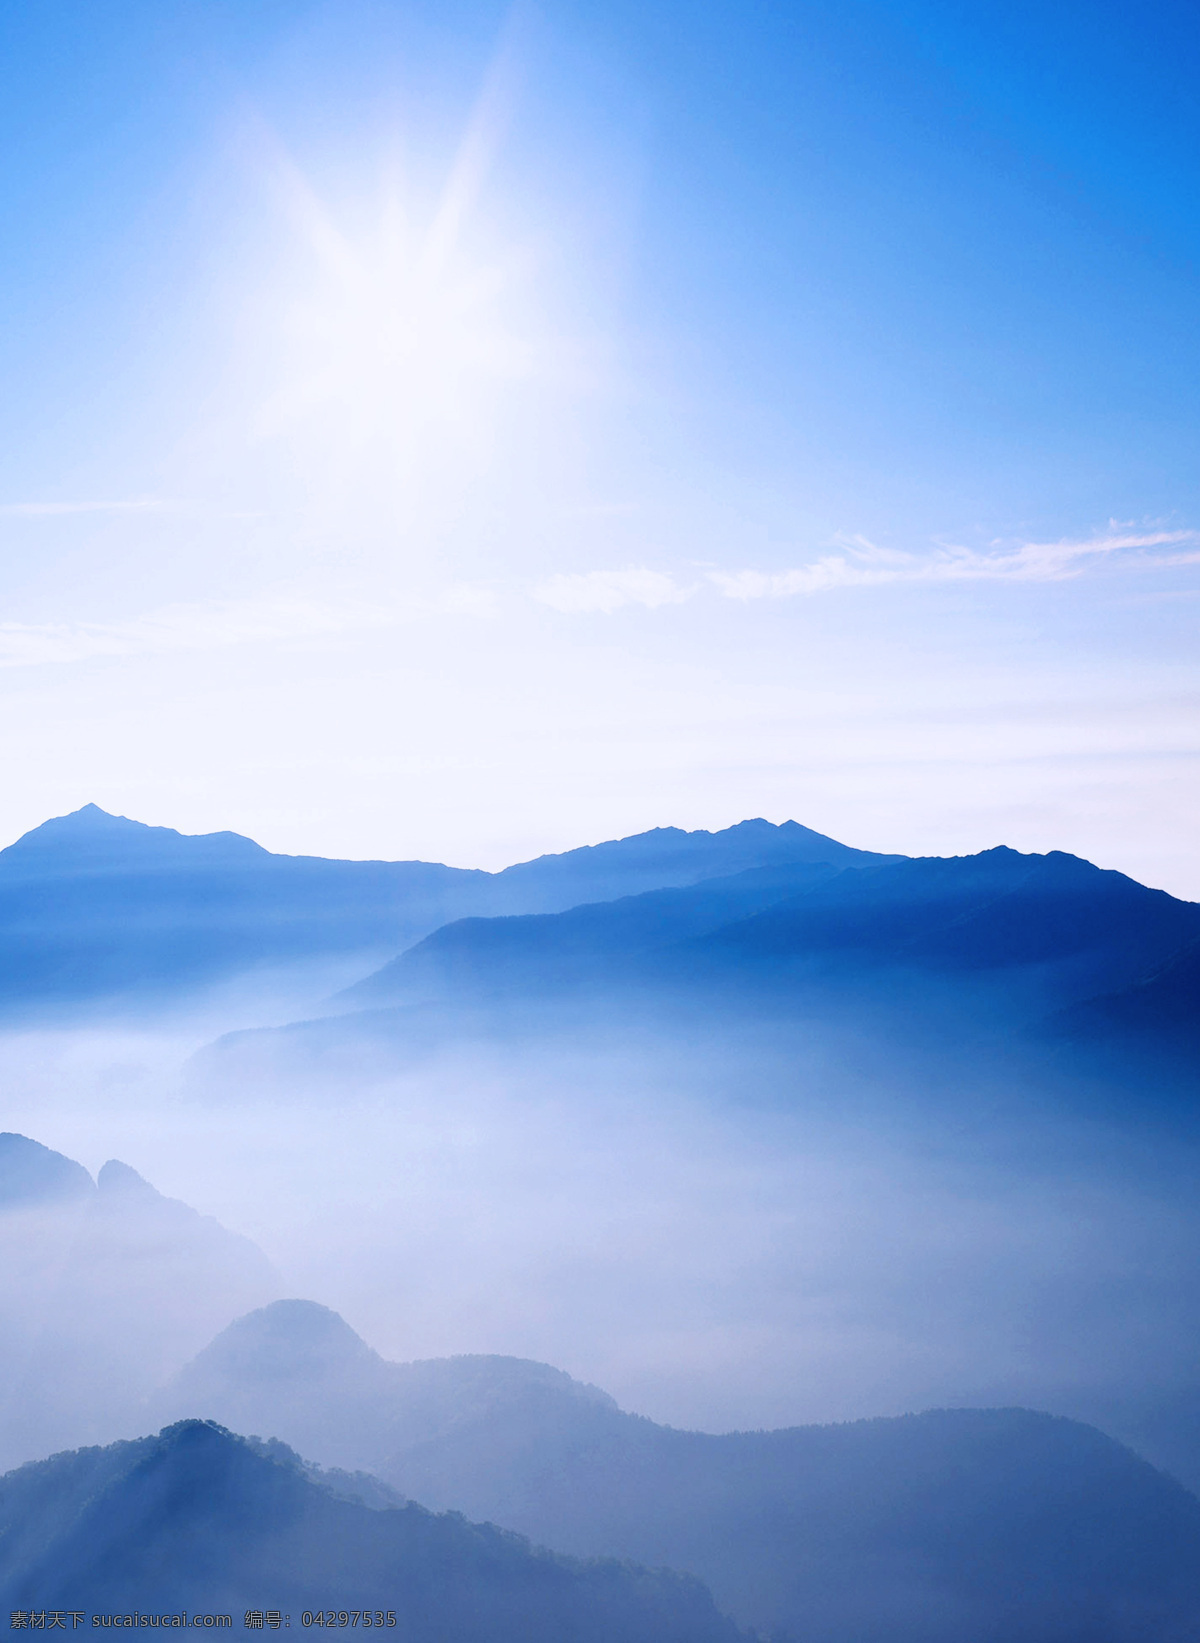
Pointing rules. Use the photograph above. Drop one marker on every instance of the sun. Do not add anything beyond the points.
(396, 345)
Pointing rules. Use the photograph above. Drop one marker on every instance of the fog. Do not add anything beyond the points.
(643, 1216)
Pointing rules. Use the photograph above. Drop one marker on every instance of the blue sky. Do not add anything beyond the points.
(465, 431)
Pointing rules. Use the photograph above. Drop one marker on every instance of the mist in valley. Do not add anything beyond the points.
(721, 1243)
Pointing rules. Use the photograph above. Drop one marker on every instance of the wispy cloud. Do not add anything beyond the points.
(609, 590)
(860, 563)
(215, 625)
(144, 504)
(297, 616)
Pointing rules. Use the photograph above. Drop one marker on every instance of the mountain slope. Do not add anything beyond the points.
(199, 1520)
(992, 1524)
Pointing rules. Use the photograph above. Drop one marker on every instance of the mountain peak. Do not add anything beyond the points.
(664, 858)
(122, 1179)
(286, 1339)
(91, 840)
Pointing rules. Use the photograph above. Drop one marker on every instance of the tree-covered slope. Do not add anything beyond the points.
(197, 1519)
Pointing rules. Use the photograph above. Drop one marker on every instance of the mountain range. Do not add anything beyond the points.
(1078, 929)
(760, 964)
(98, 908)
(99, 912)
(990, 1524)
(1045, 968)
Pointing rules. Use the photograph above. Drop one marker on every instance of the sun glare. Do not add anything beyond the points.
(396, 342)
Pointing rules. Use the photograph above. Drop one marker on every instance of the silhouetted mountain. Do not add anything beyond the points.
(89, 842)
(1000, 910)
(925, 955)
(988, 1524)
(199, 1520)
(94, 906)
(105, 1288)
(664, 858)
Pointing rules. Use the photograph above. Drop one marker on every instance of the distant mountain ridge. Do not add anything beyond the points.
(98, 907)
(664, 858)
(90, 840)
(989, 1524)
